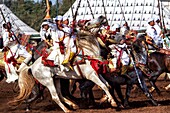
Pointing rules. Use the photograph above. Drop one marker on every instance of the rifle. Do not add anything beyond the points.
(134, 65)
(8, 27)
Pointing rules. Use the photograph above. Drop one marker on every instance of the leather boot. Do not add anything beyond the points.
(71, 56)
(65, 61)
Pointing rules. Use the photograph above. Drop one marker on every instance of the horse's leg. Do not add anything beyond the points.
(128, 89)
(86, 89)
(119, 105)
(103, 80)
(152, 81)
(114, 83)
(119, 93)
(155, 75)
(167, 87)
(50, 85)
(72, 87)
(91, 98)
(58, 88)
(65, 89)
(35, 93)
(97, 81)
(166, 76)
(1, 75)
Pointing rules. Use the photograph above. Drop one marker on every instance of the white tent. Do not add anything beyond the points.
(136, 12)
(17, 24)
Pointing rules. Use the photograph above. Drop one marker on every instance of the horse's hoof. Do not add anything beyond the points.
(118, 109)
(166, 88)
(154, 102)
(103, 99)
(126, 105)
(159, 105)
(92, 105)
(113, 104)
(68, 111)
(75, 107)
(121, 106)
(27, 110)
(152, 89)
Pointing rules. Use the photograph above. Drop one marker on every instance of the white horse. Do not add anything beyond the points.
(45, 74)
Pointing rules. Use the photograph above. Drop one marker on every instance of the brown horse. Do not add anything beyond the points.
(156, 62)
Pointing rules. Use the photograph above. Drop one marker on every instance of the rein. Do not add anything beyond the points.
(96, 63)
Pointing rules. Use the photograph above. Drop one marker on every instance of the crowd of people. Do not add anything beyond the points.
(61, 33)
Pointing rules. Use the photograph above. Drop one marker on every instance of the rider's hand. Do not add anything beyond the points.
(10, 34)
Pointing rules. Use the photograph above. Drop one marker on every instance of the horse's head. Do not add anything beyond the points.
(95, 24)
(39, 49)
(140, 50)
(101, 20)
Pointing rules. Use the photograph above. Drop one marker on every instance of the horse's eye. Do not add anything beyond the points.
(100, 16)
(88, 24)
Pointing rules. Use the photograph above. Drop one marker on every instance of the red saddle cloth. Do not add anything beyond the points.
(99, 66)
(47, 62)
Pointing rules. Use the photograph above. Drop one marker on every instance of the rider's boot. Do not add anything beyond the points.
(66, 61)
(71, 56)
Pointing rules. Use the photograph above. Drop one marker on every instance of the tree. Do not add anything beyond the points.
(65, 6)
(33, 13)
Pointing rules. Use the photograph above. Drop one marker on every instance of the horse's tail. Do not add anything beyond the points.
(26, 83)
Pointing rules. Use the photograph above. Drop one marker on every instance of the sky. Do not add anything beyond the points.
(53, 1)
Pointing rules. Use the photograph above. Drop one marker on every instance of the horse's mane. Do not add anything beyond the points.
(89, 41)
(40, 45)
(157, 53)
(87, 36)
(37, 50)
(137, 45)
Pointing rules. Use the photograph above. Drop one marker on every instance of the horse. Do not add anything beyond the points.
(37, 51)
(45, 74)
(115, 80)
(153, 63)
(158, 67)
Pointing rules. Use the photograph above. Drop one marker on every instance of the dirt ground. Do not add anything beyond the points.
(138, 102)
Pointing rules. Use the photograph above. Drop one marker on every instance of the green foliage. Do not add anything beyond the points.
(33, 13)
(65, 6)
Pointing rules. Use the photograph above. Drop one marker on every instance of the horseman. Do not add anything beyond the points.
(68, 41)
(61, 40)
(155, 34)
(12, 44)
(57, 37)
(105, 39)
(45, 33)
(125, 28)
(160, 32)
(118, 50)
